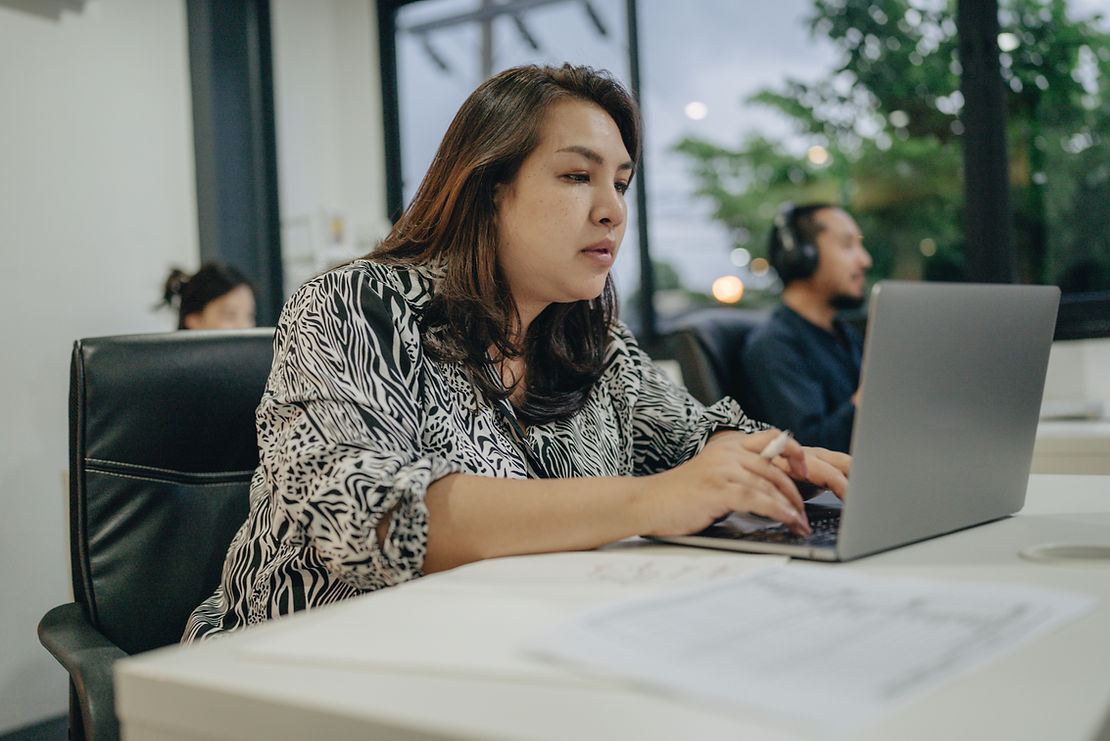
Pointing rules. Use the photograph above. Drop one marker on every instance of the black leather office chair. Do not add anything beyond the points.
(162, 448)
(706, 343)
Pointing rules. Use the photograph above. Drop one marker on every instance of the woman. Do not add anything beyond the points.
(466, 392)
(216, 297)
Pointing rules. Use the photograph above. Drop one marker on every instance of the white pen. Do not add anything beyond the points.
(776, 446)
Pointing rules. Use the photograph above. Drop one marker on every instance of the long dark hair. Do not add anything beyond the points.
(189, 294)
(451, 223)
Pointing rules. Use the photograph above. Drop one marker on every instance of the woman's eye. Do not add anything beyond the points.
(621, 187)
(577, 177)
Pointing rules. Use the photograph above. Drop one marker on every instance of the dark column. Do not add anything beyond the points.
(990, 231)
(648, 333)
(234, 136)
(391, 115)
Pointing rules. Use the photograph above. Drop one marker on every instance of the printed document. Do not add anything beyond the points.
(814, 644)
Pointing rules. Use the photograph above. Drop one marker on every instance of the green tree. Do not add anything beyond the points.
(880, 133)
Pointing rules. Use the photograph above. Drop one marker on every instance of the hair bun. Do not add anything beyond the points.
(175, 284)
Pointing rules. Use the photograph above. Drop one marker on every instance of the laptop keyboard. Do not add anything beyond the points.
(825, 528)
(824, 521)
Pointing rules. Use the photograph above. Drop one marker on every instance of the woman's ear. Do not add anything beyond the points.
(192, 320)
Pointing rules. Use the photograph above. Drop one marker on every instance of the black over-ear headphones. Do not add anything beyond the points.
(791, 257)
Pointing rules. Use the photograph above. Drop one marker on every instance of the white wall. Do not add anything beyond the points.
(97, 201)
(329, 130)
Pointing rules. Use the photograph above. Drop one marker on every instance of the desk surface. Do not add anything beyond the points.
(1072, 446)
(1056, 687)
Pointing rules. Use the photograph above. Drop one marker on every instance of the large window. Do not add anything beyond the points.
(1055, 61)
(860, 102)
(445, 48)
(720, 164)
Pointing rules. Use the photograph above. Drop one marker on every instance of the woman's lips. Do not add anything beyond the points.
(601, 252)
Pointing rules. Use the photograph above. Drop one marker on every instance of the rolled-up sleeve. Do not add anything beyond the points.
(340, 431)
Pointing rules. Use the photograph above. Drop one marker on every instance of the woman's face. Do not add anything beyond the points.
(233, 310)
(561, 220)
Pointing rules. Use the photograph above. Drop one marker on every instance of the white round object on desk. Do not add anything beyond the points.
(1068, 554)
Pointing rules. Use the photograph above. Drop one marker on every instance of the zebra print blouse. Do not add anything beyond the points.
(356, 422)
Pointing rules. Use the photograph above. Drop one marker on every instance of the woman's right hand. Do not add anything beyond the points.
(728, 475)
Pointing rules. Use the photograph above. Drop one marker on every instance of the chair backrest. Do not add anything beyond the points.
(162, 449)
(706, 343)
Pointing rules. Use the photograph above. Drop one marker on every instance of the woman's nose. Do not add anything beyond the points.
(609, 207)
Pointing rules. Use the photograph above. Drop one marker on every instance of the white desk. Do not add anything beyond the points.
(1057, 687)
(1072, 446)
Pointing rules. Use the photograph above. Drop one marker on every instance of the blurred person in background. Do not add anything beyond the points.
(804, 363)
(215, 297)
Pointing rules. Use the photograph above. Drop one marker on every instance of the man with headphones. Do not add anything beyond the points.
(803, 364)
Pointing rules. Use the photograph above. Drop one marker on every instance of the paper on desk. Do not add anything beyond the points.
(815, 644)
(620, 572)
(472, 620)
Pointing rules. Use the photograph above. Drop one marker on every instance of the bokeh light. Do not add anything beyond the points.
(728, 289)
(1007, 41)
(818, 155)
(696, 110)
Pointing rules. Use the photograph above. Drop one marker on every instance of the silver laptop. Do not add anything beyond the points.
(952, 380)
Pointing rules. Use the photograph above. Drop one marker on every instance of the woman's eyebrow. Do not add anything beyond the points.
(594, 156)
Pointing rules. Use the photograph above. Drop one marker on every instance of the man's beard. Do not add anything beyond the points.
(844, 302)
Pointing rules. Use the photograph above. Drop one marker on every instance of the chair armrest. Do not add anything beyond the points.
(88, 656)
